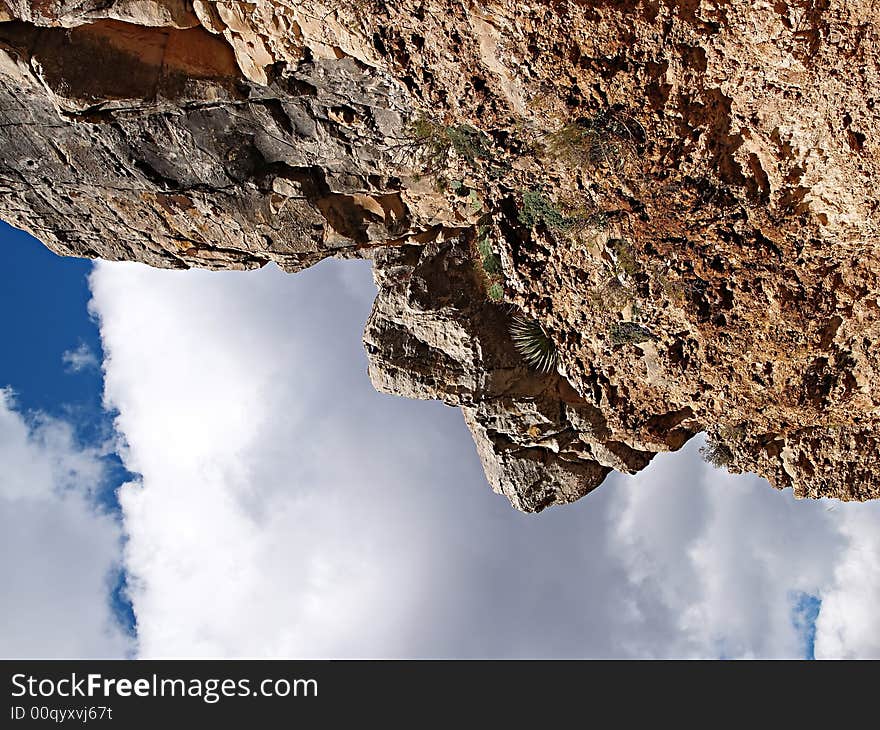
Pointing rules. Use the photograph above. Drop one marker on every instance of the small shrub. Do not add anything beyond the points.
(468, 142)
(537, 208)
(437, 141)
(717, 453)
(735, 433)
(608, 139)
(611, 296)
(625, 261)
(487, 264)
(672, 290)
(629, 333)
(457, 187)
(489, 259)
(533, 343)
(597, 220)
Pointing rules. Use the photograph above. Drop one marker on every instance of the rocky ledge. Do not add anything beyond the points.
(671, 204)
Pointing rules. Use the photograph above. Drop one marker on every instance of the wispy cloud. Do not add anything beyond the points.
(79, 359)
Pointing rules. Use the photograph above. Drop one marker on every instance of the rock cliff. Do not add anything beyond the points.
(675, 199)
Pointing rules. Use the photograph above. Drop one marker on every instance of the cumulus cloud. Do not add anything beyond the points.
(79, 359)
(727, 555)
(847, 625)
(286, 509)
(60, 552)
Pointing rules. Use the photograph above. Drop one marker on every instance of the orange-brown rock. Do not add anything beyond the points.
(681, 192)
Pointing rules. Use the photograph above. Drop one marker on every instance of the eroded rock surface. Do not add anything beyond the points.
(681, 192)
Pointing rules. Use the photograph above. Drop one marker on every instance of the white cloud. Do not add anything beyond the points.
(847, 626)
(59, 550)
(79, 359)
(286, 509)
(727, 555)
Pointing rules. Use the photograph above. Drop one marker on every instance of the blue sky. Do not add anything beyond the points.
(44, 304)
(278, 506)
(44, 301)
(805, 612)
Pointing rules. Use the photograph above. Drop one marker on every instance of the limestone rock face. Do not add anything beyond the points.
(432, 334)
(681, 193)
